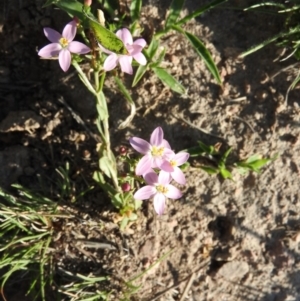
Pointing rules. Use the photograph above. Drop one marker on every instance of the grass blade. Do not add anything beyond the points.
(126, 93)
(200, 11)
(202, 52)
(135, 9)
(141, 70)
(169, 80)
(175, 9)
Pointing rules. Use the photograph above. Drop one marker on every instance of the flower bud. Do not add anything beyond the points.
(125, 187)
(87, 2)
(123, 150)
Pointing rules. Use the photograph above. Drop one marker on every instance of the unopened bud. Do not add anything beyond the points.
(123, 151)
(87, 2)
(125, 187)
(76, 20)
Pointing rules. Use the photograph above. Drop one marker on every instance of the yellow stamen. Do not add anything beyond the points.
(162, 189)
(63, 42)
(173, 163)
(157, 151)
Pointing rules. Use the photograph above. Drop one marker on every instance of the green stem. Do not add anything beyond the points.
(83, 77)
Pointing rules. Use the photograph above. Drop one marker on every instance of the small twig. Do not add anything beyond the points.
(188, 286)
(79, 120)
(205, 263)
(283, 70)
(196, 127)
(246, 122)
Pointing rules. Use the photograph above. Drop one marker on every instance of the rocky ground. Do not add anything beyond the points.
(230, 240)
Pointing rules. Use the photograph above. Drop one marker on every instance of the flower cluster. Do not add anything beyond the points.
(158, 156)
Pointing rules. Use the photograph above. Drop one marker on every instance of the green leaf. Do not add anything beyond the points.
(124, 223)
(105, 37)
(117, 201)
(135, 9)
(141, 70)
(111, 6)
(151, 51)
(194, 151)
(200, 11)
(127, 95)
(107, 167)
(169, 80)
(210, 170)
(72, 7)
(209, 149)
(205, 55)
(176, 7)
(226, 174)
(224, 158)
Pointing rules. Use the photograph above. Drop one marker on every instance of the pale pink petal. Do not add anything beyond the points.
(157, 136)
(140, 58)
(104, 49)
(50, 50)
(140, 145)
(77, 47)
(173, 192)
(144, 165)
(145, 193)
(110, 62)
(181, 158)
(125, 63)
(166, 144)
(64, 59)
(178, 176)
(166, 166)
(125, 35)
(134, 49)
(157, 162)
(69, 31)
(151, 178)
(168, 154)
(166, 175)
(159, 202)
(140, 42)
(164, 178)
(52, 35)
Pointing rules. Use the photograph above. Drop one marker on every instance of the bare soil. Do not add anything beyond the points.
(231, 240)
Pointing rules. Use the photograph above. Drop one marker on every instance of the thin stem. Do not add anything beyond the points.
(84, 78)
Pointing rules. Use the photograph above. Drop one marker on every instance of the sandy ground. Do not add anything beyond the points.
(231, 240)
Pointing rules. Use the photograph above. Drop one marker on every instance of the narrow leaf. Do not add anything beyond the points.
(72, 7)
(200, 11)
(150, 52)
(126, 93)
(205, 55)
(141, 70)
(135, 9)
(209, 170)
(106, 166)
(176, 7)
(169, 80)
(226, 174)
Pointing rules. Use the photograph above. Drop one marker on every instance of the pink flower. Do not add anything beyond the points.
(63, 45)
(170, 166)
(155, 152)
(159, 188)
(134, 51)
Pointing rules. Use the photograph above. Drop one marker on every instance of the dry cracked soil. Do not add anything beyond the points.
(230, 240)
